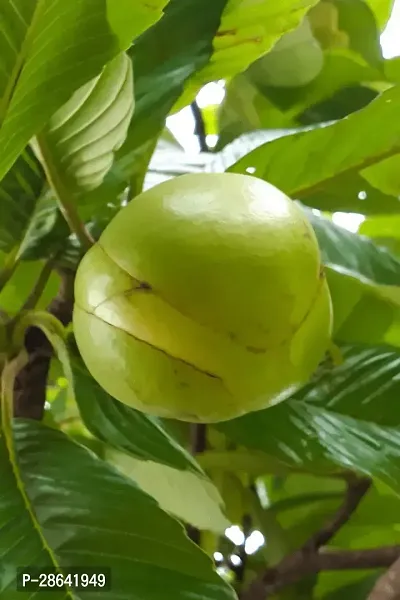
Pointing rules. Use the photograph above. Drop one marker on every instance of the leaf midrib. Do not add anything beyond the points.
(303, 192)
(7, 384)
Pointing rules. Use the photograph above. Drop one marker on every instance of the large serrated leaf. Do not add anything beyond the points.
(82, 136)
(61, 507)
(366, 384)
(43, 42)
(190, 497)
(319, 441)
(302, 163)
(350, 192)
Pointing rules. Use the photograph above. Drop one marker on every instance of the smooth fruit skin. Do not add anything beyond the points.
(204, 299)
(295, 60)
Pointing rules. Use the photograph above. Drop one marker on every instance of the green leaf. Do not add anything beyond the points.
(317, 440)
(392, 69)
(191, 497)
(300, 105)
(107, 518)
(357, 20)
(79, 141)
(43, 44)
(382, 10)
(247, 31)
(381, 226)
(240, 461)
(363, 279)
(130, 19)
(384, 231)
(366, 384)
(356, 253)
(385, 176)
(299, 164)
(358, 590)
(301, 504)
(282, 433)
(19, 194)
(353, 193)
(124, 428)
(346, 415)
(14, 294)
(47, 231)
(354, 299)
(348, 193)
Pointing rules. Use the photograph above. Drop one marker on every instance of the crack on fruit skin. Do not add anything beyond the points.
(138, 286)
(144, 286)
(255, 350)
(321, 281)
(158, 349)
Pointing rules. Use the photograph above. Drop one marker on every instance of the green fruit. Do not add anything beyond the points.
(204, 299)
(295, 60)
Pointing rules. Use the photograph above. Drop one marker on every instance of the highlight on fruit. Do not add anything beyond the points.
(204, 299)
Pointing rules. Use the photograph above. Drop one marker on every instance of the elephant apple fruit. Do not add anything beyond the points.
(295, 60)
(203, 299)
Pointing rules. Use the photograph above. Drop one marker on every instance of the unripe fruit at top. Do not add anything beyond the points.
(204, 299)
(295, 60)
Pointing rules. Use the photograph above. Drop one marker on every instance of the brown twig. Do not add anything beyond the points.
(31, 383)
(309, 558)
(356, 490)
(388, 585)
(200, 128)
(340, 560)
